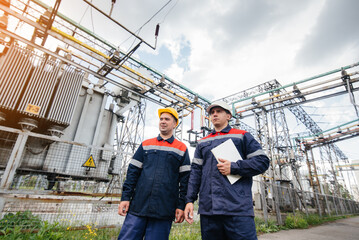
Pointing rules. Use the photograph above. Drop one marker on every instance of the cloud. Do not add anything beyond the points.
(335, 33)
(220, 47)
(175, 71)
(237, 43)
(232, 24)
(160, 59)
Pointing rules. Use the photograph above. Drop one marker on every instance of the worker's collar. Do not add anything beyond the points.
(224, 130)
(170, 140)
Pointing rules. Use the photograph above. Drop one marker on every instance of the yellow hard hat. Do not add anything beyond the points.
(169, 110)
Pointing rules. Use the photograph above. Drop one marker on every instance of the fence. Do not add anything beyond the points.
(77, 184)
(277, 199)
(59, 181)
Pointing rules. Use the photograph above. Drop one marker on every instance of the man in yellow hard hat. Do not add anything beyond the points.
(156, 184)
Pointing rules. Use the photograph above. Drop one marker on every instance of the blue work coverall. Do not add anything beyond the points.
(156, 185)
(226, 210)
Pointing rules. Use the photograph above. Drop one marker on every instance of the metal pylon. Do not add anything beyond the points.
(131, 135)
(262, 133)
(281, 145)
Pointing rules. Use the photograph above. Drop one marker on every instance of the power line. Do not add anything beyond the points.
(156, 14)
(345, 106)
(93, 26)
(140, 28)
(83, 15)
(164, 18)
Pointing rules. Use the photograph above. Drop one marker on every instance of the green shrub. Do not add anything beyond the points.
(296, 221)
(25, 220)
(262, 227)
(313, 219)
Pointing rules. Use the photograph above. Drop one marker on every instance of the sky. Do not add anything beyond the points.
(220, 47)
(227, 46)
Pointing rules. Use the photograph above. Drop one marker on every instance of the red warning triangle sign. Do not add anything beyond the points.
(90, 163)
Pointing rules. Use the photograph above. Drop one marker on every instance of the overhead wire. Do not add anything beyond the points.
(164, 18)
(140, 28)
(83, 15)
(93, 26)
(155, 14)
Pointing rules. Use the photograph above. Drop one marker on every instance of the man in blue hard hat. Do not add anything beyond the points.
(154, 191)
(226, 210)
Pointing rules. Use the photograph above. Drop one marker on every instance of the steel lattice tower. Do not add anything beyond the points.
(131, 135)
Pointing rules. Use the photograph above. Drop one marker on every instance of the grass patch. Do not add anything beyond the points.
(262, 227)
(184, 231)
(25, 226)
(295, 221)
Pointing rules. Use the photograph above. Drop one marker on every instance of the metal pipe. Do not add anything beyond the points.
(78, 65)
(126, 70)
(294, 96)
(351, 96)
(330, 129)
(123, 68)
(45, 6)
(76, 25)
(291, 91)
(79, 42)
(299, 82)
(142, 87)
(298, 103)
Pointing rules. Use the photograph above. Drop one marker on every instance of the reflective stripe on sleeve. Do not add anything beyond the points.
(185, 168)
(256, 153)
(197, 161)
(136, 163)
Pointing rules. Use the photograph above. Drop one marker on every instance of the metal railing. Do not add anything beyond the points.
(277, 200)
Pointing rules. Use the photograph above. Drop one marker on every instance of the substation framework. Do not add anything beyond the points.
(35, 34)
(102, 62)
(106, 66)
(267, 102)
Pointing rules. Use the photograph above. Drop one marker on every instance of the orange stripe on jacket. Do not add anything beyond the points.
(232, 131)
(175, 144)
